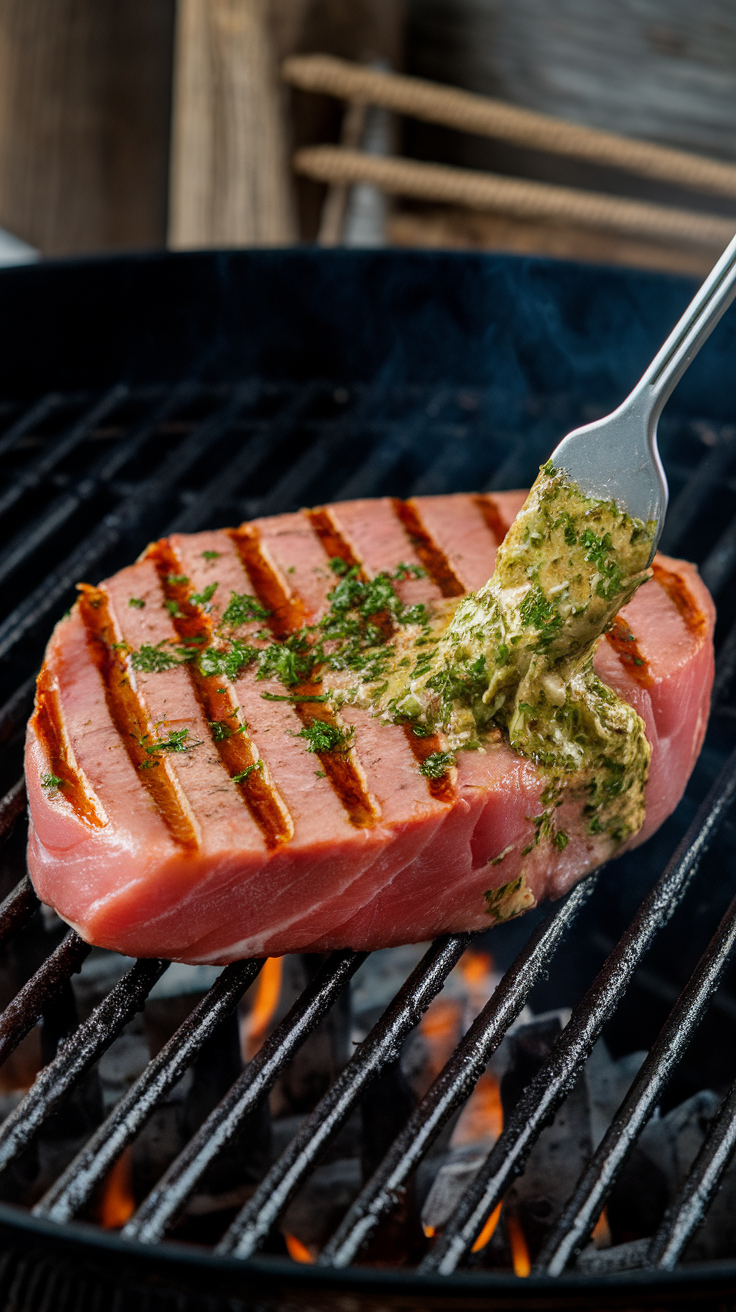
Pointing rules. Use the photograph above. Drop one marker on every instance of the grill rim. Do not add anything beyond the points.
(87, 1240)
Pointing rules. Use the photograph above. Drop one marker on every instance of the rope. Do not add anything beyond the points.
(486, 117)
(337, 165)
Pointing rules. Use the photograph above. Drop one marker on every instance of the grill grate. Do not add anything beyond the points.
(90, 480)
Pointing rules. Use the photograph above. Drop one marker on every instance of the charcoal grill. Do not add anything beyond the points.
(140, 396)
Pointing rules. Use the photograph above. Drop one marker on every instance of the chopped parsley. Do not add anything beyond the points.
(240, 608)
(173, 608)
(205, 596)
(230, 661)
(321, 736)
(437, 765)
(176, 741)
(246, 774)
(152, 660)
(211, 555)
(51, 781)
(338, 565)
(175, 579)
(136, 602)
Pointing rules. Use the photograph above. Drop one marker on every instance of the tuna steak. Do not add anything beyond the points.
(181, 813)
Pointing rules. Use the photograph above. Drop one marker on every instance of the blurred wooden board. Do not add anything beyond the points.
(445, 227)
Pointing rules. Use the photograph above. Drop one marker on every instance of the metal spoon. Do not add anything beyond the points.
(616, 458)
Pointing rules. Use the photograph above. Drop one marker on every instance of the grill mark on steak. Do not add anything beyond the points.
(288, 614)
(237, 752)
(625, 645)
(48, 723)
(492, 515)
(681, 597)
(130, 719)
(442, 789)
(431, 555)
(333, 543)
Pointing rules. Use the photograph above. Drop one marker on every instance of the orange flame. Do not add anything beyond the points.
(601, 1235)
(297, 1251)
(264, 1005)
(441, 1027)
(487, 1230)
(519, 1249)
(117, 1204)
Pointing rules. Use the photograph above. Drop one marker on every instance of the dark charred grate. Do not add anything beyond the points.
(87, 481)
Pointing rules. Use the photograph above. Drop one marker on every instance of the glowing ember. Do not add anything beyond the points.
(482, 1115)
(519, 1249)
(297, 1251)
(476, 966)
(441, 1029)
(118, 1202)
(265, 1003)
(601, 1235)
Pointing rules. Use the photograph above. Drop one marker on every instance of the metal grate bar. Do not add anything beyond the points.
(725, 669)
(370, 476)
(454, 1084)
(223, 488)
(15, 711)
(720, 562)
(382, 1045)
(73, 1188)
(17, 908)
(33, 535)
(77, 1054)
(688, 1211)
(591, 1193)
(556, 1077)
(27, 1006)
(697, 492)
(131, 512)
(58, 450)
(11, 806)
(28, 420)
(156, 1215)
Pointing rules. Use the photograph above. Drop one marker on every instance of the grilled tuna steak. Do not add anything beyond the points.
(204, 808)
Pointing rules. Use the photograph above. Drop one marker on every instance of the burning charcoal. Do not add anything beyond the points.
(562, 1150)
(624, 1257)
(473, 1136)
(666, 1150)
(608, 1083)
(123, 1062)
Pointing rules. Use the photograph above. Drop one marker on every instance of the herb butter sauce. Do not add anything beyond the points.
(517, 656)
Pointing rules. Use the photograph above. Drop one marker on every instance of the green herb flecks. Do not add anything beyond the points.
(230, 661)
(437, 765)
(241, 608)
(152, 660)
(204, 597)
(137, 602)
(246, 774)
(51, 781)
(321, 736)
(177, 740)
(211, 555)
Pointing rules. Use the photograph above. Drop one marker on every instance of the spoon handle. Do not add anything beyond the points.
(688, 335)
